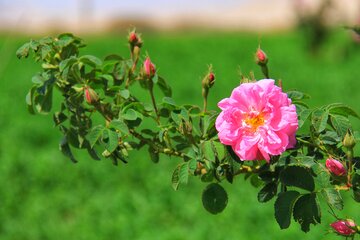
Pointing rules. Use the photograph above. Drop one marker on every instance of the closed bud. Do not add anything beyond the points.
(335, 167)
(133, 38)
(349, 140)
(90, 95)
(209, 80)
(260, 57)
(344, 227)
(149, 68)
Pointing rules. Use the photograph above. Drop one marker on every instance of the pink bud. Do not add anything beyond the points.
(149, 68)
(211, 77)
(133, 38)
(261, 57)
(344, 227)
(90, 95)
(335, 167)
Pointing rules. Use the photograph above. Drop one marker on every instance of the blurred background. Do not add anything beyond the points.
(45, 196)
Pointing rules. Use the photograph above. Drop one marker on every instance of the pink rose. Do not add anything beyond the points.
(149, 68)
(335, 167)
(258, 120)
(343, 227)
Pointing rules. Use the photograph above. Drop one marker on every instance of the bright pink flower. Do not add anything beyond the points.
(258, 120)
(149, 68)
(335, 167)
(343, 227)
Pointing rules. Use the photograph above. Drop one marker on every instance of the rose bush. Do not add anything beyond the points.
(259, 121)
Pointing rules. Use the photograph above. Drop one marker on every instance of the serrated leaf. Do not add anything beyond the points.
(303, 116)
(267, 192)
(284, 205)
(42, 102)
(67, 63)
(319, 119)
(23, 51)
(298, 176)
(95, 134)
(90, 60)
(342, 109)
(341, 124)
(119, 125)
(113, 141)
(180, 175)
(333, 198)
(214, 198)
(169, 101)
(307, 211)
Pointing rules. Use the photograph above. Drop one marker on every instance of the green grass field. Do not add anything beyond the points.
(45, 196)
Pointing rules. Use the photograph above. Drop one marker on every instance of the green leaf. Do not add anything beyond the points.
(95, 134)
(319, 119)
(284, 205)
(67, 63)
(340, 124)
(45, 50)
(154, 155)
(333, 198)
(120, 126)
(298, 176)
(164, 87)
(130, 115)
(113, 140)
(169, 100)
(23, 51)
(307, 211)
(29, 100)
(342, 109)
(356, 187)
(214, 198)
(267, 192)
(66, 150)
(296, 95)
(42, 102)
(59, 117)
(303, 116)
(90, 60)
(180, 175)
(124, 93)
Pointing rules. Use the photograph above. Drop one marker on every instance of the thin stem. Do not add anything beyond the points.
(349, 154)
(205, 92)
(154, 103)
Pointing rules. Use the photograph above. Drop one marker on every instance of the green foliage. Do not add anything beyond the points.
(214, 198)
(113, 119)
(284, 206)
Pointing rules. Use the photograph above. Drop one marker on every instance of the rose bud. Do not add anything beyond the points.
(133, 38)
(349, 140)
(211, 78)
(149, 68)
(335, 167)
(90, 95)
(344, 227)
(260, 57)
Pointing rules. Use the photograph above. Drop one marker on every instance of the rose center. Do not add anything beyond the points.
(254, 121)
